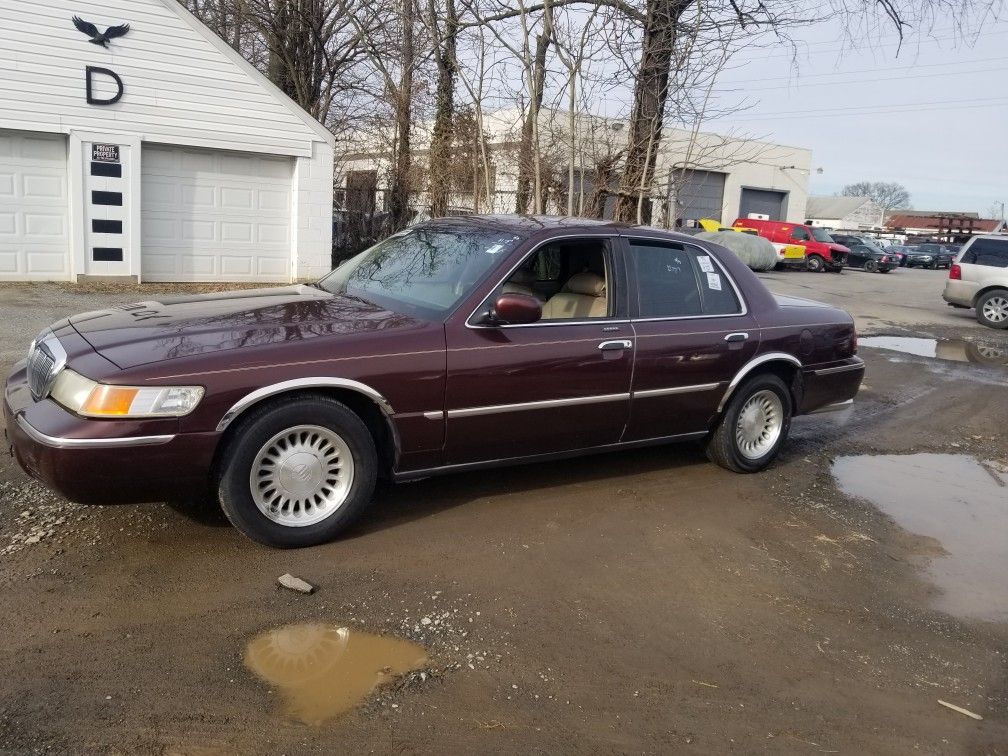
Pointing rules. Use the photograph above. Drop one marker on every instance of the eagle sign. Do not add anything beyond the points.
(99, 38)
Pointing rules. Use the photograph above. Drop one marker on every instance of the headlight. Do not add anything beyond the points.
(91, 399)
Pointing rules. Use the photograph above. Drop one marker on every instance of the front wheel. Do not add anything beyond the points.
(992, 309)
(815, 264)
(753, 427)
(297, 472)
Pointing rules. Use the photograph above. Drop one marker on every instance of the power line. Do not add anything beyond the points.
(862, 111)
(796, 86)
(911, 43)
(870, 70)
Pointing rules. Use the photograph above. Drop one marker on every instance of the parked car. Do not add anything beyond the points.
(865, 253)
(821, 252)
(979, 278)
(460, 344)
(929, 256)
(900, 251)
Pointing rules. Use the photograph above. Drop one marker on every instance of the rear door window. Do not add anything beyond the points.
(990, 252)
(678, 281)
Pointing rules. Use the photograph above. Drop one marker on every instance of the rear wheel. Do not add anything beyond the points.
(298, 472)
(992, 309)
(871, 266)
(753, 427)
(815, 264)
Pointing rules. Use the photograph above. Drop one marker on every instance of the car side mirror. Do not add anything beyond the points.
(513, 309)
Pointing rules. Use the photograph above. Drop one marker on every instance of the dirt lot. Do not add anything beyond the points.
(638, 602)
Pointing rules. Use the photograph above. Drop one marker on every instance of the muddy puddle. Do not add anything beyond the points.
(960, 503)
(322, 671)
(951, 350)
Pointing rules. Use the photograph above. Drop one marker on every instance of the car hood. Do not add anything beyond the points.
(184, 326)
(839, 248)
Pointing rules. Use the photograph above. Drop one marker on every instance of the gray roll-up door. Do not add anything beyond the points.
(699, 194)
(763, 202)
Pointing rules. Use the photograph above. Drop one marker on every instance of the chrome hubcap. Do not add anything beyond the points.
(995, 309)
(759, 424)
(302, 475)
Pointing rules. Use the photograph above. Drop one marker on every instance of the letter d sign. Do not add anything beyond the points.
(89, 72)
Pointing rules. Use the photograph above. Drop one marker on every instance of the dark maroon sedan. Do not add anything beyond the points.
(459, 344)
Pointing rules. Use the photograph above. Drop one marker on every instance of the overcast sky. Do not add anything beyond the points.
(934, 118)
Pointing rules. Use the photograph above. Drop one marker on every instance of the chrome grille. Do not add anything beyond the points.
(45, 359)
(40, 367)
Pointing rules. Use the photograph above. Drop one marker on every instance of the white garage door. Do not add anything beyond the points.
(210, 215)
(34, 224)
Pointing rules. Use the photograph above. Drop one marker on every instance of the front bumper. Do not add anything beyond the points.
(103, 461)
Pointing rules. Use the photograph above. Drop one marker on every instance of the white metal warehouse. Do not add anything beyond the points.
(154, 152)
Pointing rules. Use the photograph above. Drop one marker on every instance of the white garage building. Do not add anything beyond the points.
(160, 155)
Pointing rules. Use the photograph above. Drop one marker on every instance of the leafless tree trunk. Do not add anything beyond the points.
(399, 189)
(650, 94)
(445, 56)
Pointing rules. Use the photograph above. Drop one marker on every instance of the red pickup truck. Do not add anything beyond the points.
(821, 252)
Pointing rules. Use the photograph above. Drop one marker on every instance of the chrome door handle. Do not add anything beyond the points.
(606, 346)
(731, 338)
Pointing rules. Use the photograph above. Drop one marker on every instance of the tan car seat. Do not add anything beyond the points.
(521, 282)
(583, 296)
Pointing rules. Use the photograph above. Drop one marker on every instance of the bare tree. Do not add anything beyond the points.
(227, 18)
(314, 47)
(886, 194)
(443, 28)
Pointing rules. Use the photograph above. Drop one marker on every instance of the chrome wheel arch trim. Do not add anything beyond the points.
(298, 384)
(754, 363)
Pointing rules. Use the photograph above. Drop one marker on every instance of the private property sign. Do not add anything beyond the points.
(105, 153)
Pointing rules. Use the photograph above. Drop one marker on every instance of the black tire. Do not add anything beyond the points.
(871, 266)
(723, 447)
(989, 304)
(253, 432)
(815, 264)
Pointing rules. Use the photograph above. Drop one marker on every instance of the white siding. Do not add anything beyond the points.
(313, 210)
(180, 88)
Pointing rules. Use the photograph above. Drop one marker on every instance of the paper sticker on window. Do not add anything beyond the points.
(494, 249)
(714, 281)
(705, 264)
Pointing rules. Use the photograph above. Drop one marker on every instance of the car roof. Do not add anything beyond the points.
(532, 226)
(526, 223)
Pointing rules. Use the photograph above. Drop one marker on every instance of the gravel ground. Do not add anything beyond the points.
(643, 601)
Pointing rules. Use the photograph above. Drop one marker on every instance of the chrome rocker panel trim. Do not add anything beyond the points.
(57, 442)
(493, 409)
(647, 393)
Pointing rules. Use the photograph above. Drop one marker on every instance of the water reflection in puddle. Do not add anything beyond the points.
(325, 670)
(955, 500)
(953, 350)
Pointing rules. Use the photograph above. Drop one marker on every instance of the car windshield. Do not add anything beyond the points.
(819, 235)
(421, 271)
(874, 247)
